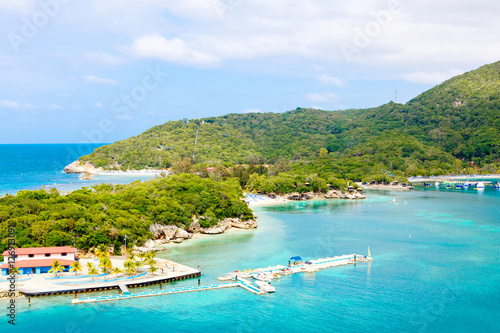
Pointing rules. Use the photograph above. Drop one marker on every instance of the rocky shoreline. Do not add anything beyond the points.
(165, 234)
(332, 194)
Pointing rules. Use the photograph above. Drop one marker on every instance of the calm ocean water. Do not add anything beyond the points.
(435, 269)
(29, 167)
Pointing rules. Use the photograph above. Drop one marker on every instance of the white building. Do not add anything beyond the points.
(37, 260)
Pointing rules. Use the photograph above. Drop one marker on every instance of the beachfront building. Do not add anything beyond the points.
(38, 260)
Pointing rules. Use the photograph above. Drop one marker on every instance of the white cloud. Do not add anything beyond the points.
(431, 78)
(174, 50)
(322, 97)
(9, 104)
(98, 105)
(96, 79)
(251, 111)
(331, 80)
(6, 104)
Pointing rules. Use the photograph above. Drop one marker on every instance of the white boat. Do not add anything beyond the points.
(262, 277)
(266, 286)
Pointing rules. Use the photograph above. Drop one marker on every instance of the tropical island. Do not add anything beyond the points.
(452, 128)
(206, 164)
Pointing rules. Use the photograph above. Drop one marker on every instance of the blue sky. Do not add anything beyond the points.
(101, 71)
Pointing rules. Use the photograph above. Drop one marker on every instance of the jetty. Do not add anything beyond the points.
(45, 286)
(238, 278)
(167, 292)
(310, 266)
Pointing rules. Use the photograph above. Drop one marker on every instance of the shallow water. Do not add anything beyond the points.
(435, 269)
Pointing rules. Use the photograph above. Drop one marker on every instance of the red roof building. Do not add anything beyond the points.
(37, 260)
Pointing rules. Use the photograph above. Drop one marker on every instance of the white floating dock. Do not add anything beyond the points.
(313, 266)
(123, 296)
(238, 278)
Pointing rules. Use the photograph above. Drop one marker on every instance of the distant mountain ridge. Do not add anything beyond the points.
(455, 122)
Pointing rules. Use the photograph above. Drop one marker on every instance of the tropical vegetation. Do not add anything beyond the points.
(105, 213)
(451, 128)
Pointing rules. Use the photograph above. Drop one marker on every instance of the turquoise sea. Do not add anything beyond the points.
(32, 166)
(435, 269)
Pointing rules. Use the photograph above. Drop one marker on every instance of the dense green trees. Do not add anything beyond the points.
(457, 120)
(105, 213)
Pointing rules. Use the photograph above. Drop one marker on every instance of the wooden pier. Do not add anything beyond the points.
(238, 279)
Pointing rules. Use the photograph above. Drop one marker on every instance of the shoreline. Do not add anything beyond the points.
(86, 168)
(453, 177)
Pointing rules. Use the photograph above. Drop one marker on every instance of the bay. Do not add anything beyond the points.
(435, 269)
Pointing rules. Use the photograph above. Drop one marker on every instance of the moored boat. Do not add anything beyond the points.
(266, 286)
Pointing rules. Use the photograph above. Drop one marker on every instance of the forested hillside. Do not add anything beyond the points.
(106, 213)
(440, 131)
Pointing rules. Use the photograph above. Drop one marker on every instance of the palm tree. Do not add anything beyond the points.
(76, 267)
(142, 256)
(152, 265)
(56, 267)
(101, 252)
(93, 271)
(90, 265)
(129, 266)
(150, 255)
(14, 270)
(130, 254)
(105, 264)
(116, 270)
(138, 264)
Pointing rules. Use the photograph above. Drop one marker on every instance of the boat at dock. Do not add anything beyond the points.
(262, 277)
(266, 286)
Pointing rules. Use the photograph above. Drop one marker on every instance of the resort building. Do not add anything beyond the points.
(38, 260)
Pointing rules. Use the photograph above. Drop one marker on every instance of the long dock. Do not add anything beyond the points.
(237, 278)
(167, 292)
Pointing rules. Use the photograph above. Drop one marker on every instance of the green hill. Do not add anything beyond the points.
(437, 132)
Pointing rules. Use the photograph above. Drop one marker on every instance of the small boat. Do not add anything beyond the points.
(266, 286)
(262, 277)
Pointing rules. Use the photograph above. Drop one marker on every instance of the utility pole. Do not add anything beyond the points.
(195, 140)
(126, 243)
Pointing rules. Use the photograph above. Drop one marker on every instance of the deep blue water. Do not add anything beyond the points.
(31, 166)
(436, 268)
